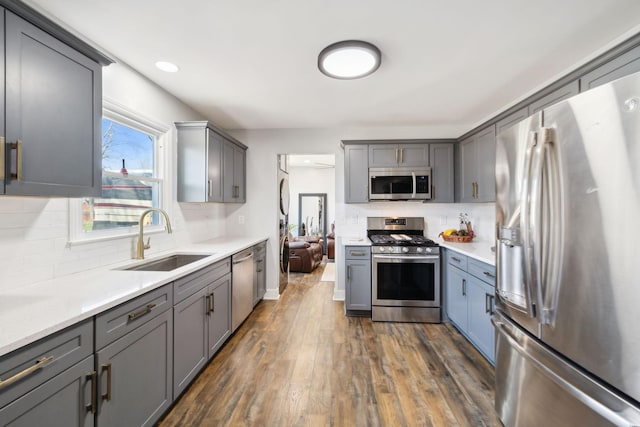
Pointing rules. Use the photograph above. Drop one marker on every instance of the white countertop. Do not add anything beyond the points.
(480, 250)
(354, 241)
(35, 311)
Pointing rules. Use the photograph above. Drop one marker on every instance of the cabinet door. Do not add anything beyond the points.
(480, 329)
(512, 119)
(566, 91)
(138, 367)
(228, 160)
(54, 105)
(219, 322)
(356, 173)
(486, 165)
(413, 155)
(63, 401)
(358, 285)
(468, 169)
(214, 167)
(190, 349)
(457, 296)
(623, 65)
(239, 167)
(260, 279)
(441, 161)
(383, 155)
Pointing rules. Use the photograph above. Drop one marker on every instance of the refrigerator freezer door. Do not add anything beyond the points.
(536, 387)
(594, 297)
(514, 152)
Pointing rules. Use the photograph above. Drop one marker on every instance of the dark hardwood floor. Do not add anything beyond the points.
(300, 362)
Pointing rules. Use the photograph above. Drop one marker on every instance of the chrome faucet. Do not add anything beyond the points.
(141, 245)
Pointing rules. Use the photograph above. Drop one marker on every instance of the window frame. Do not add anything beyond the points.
(112, 110)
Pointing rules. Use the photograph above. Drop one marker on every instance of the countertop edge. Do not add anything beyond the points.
(477, 250)
(42, 323)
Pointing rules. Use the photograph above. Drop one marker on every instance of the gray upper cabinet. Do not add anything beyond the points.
(442, 175)
(211, 164)
(356, 173)
(566, 91)
(398, 155)
(477, 172)
(234, 168)
(512, 119)
(625, 64)
(52, 126)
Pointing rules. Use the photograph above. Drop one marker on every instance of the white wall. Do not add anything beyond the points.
(312, 180)
(260, 211)
(34, 232)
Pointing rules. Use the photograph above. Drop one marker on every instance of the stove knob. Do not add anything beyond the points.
(405, 250)
(419, 250)
(429, 250)
(381, 249)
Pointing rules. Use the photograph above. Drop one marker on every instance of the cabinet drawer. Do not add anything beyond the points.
(126, 317)
(66, 348)
(188, 285)
(357, 252)
(483, 271)
(457, 259)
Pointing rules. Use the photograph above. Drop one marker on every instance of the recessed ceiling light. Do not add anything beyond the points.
(167, 66)
(349, 59)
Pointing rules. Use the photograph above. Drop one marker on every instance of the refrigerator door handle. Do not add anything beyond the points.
(544, 245)
(525, 224)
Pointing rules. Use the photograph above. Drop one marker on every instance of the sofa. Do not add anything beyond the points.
(305, 254)
(331, 246)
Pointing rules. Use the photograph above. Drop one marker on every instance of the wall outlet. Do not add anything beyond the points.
(443, 220)
(240, 219)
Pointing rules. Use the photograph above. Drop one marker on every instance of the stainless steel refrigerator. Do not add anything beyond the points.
(568, 261)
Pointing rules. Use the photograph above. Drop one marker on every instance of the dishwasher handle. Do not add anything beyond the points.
(243, 259)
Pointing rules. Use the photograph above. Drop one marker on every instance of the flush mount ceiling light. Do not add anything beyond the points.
(167, 66)
(349, 59)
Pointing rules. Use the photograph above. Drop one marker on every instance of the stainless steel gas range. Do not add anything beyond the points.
(405, 271)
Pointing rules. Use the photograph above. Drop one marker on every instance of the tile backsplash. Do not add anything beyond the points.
(34, 239)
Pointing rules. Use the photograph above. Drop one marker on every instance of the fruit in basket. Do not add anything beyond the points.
(449, 232)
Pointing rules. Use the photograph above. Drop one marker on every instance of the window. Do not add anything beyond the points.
(132, 179)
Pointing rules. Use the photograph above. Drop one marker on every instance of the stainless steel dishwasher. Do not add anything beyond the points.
(241, 287)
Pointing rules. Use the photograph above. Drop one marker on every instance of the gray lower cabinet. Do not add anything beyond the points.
(356, 173)
(51, 379)
(51, 120)
(64, 401)
(211, 164)
(477, 172)
(135, 367)
(358, 284)
(202, 321)
(469, 290)
(260, 275)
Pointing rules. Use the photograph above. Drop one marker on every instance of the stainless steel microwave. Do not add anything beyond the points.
(399, 183)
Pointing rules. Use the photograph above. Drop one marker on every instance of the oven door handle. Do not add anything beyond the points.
(413, 175)
(407, 257)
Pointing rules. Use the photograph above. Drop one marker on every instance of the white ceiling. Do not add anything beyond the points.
(252, 64)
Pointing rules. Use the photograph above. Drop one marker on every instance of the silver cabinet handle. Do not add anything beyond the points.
(348, 272)
(207, 303)
(401, 155)
(396, 155)
(210, 188)
(456, 259)
(141, 312)
(357, 253)
(489, 274)
(464, 287)
(40, 363)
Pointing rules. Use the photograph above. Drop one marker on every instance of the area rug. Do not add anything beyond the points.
(329, 273)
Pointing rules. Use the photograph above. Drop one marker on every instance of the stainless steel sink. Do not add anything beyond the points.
(167, 263)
